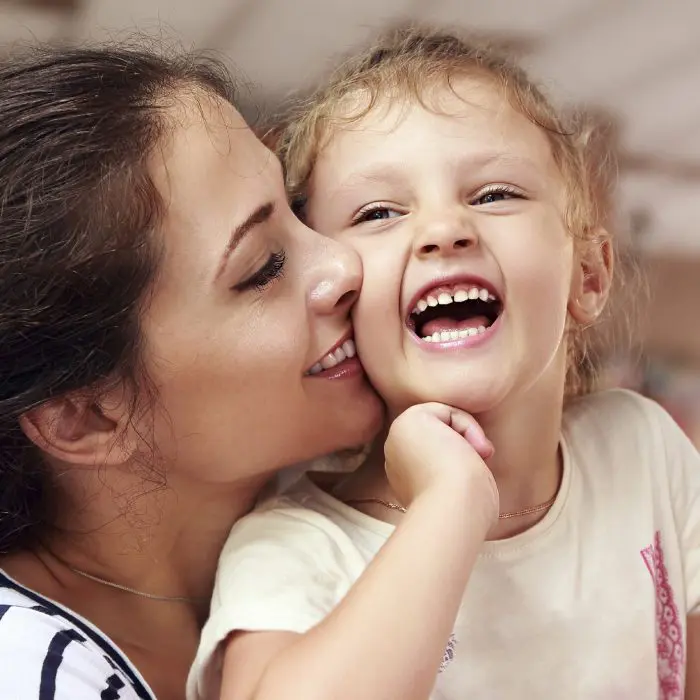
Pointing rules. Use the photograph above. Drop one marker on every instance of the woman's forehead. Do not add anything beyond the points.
(210, 147)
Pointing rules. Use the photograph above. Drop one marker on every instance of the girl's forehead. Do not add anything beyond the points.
(466, 117)
(463, 108)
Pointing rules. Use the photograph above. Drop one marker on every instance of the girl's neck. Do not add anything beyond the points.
(527, 462)
(525, 432)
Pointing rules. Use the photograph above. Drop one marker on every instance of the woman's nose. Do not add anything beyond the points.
(336, 279)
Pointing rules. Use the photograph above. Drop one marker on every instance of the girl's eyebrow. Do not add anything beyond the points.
(480, 161)
(394, 172)
(376, 174)
(380, 172)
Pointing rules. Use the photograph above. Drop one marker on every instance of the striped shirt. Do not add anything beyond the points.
(48, 652)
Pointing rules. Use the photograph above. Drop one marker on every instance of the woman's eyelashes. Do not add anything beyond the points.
(381, 211)
(272, 270)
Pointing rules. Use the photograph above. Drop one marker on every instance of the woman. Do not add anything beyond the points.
(170, 338)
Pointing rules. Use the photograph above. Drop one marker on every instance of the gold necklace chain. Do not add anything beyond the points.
(501, 516)
(134, 591)
(387, 504)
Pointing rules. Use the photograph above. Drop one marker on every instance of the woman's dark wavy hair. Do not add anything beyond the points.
(78, 210)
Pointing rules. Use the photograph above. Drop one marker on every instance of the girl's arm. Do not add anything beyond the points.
(692, 673)
(386, 638)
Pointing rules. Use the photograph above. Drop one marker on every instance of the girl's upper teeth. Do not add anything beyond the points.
(335, 357)
(459, 295)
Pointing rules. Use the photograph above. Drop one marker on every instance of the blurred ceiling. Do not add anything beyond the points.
(637, 61)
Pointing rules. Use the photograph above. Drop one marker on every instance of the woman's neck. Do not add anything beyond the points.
(165, 541)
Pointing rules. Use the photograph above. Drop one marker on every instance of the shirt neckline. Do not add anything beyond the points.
(356, 517)
(96, 635)
(523, 541)
(491, 549)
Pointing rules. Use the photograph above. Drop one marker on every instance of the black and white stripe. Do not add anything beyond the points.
(49, 653)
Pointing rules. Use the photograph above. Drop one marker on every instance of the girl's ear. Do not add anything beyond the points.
(592, 279)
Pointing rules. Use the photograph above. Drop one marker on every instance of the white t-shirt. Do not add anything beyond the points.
(590, 603)
(47, 652)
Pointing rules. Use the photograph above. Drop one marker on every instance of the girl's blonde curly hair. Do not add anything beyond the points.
(406, 64)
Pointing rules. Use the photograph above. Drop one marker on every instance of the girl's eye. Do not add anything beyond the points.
(272, 270)
(375, 213)
(496, 194)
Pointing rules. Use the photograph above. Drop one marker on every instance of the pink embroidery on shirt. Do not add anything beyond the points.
(669, 632)
(449, 654)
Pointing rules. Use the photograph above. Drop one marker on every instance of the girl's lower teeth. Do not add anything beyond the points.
(446, 336)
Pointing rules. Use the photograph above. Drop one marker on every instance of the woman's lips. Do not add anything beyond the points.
(341, 353)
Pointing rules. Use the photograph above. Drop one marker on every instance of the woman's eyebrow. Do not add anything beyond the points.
(259, 216)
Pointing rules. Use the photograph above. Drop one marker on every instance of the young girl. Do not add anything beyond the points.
(476, 213)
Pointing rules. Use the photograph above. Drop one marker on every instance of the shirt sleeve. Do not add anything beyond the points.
(280, 570)
(683, 463)
(43, 658)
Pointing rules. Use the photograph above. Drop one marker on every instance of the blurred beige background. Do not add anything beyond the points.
(636, 62)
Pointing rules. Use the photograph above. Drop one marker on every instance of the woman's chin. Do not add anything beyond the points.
(359, 423)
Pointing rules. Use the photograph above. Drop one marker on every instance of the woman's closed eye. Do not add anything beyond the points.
(272, 270)
(495, 193)
(378, 211)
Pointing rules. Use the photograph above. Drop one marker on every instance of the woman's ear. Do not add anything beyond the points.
(82, 431)
(592, 279)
